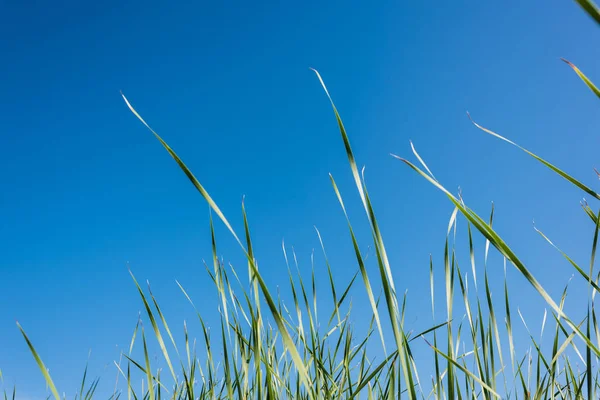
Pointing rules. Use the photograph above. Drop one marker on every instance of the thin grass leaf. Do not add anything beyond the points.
(546, 163)
(590, 8)
(584, 78)
(40, 364)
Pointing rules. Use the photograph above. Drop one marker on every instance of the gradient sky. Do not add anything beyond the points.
(86, 189)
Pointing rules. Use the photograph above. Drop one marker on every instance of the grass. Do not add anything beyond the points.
(265, 350)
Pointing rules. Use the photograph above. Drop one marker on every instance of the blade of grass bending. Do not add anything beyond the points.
(584, 78)
(145, 371)
(570, 260)
(426, 331)
(287, 339)
(506, 251)
(465, 370)
(588, 210)
(590, 8)
(40, 364)
(349, 153)
(546, 163)
(367, 380)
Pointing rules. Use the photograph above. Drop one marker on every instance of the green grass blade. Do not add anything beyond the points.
(506, 251)
(546, 163)
(40, 364)
(287, 339)
(584, 78)
(590, 8)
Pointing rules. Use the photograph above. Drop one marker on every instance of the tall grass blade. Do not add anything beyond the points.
(40, 364)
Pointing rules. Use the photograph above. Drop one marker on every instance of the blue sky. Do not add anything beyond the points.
(86, 189)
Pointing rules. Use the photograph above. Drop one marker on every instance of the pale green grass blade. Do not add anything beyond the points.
(429, 330)
(157, 333)
(570, 260)
(40, 364)
(361, 264)
(584, 78)
(466, 371)
(546, 163)
(346, 140)
(130, 391)
(289, 343)
(505, 250)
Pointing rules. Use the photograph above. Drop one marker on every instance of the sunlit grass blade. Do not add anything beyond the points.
(40, 364)
(465, 371)
(289, 343)
(584, 78)
(546, 163)
(570, 260)
(505, 250)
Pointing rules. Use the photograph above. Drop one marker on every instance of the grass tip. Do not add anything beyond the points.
(568, 62)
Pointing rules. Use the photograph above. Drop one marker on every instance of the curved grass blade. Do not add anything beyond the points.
(279, 320)
(570, 260)
(465, 371)
(546, 163)
(40, 364)
(506, 251)
(584, 78)
(590, 8)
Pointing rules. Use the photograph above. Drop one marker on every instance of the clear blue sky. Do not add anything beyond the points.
(86, 189)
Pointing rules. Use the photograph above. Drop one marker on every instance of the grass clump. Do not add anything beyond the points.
(264, 350)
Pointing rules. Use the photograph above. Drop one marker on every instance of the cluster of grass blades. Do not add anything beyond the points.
(264, 350)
